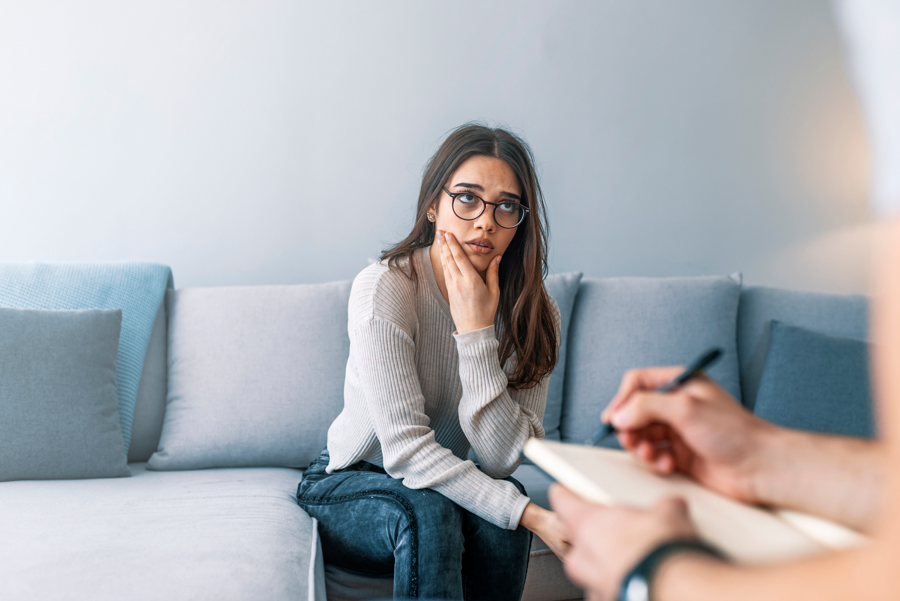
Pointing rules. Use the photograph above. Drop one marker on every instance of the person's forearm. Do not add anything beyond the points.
(532, 517)
(838, 577)
(837, 478)
(495, 424)
(547, 526)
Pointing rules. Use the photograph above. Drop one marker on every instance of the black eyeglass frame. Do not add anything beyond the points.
(484, 205)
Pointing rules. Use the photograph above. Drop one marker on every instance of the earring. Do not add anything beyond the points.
(430, 216)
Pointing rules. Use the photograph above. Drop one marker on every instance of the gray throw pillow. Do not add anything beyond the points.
(623, 323)
(816, 382)
(59, 411)
(255, 375)
(563, 287)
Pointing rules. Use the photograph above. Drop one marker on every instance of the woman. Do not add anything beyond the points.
(427, 377)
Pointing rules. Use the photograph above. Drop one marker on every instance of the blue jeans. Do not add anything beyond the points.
(372, 524)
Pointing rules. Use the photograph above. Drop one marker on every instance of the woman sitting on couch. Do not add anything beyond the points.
(427, 377)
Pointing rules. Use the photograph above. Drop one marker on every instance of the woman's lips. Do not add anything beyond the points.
(481, 250)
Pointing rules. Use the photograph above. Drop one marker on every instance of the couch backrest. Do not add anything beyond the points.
(838, 315)
(833, 314)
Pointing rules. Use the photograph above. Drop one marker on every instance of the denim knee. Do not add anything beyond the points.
(434, 511)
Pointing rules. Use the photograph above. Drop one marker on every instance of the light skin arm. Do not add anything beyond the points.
(709, 436)
(547, 525)
(473, 299)
(837, 478)
(868, 573)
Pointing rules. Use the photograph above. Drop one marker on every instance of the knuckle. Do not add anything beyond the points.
(686, 406)
(631, 377)
(676, 505)
(669, 511)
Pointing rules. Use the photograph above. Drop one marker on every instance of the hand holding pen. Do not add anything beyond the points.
(694, 369)
(697, 429)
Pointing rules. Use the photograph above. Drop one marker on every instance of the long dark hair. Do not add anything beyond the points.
(526, 318)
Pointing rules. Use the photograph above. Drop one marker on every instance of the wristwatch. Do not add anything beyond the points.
(636, 585)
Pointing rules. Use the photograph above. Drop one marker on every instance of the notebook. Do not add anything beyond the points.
(746, 533)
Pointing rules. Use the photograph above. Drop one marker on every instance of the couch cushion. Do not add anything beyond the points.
(816, 382)
(150, 406)
(59, 411)
(135, 288)
(212, 534)
(623, 323)
(563, 287)
(255, 375)
(833, 314)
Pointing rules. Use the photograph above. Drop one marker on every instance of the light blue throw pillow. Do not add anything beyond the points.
(623, 323)
(59, 414)
(816, 382)
(135, 288)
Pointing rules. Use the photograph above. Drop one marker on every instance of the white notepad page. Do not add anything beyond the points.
(745, 533)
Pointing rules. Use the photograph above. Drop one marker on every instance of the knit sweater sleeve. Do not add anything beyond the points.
(497, 421)
(396, 406)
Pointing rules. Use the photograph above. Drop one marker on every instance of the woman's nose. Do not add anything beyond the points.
(485, 221)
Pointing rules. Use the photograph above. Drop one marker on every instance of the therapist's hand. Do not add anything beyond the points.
(606, 542)
(699, 430)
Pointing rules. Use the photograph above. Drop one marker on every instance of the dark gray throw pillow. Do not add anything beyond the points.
(816, 382)
(59, 411)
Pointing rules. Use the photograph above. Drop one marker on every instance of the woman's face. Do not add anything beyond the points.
(492, 180)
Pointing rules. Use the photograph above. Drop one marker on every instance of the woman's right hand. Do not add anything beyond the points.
(473, 301)
(547, 525)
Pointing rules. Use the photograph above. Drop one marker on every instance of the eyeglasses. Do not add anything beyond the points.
(469, 207)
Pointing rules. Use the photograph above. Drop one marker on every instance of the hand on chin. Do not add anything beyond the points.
(479, 262)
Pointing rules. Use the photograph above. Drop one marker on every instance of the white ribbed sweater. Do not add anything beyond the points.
(417, 395)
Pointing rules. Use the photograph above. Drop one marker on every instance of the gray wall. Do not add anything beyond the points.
(283, 142)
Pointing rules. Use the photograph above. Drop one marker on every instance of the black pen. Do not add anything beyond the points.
(698, 365)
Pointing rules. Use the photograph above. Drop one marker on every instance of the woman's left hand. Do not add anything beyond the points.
(473, 301)
(606, 542)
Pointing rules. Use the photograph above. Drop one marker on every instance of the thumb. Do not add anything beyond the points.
(645, 408)
(673, 505)
(647, 378)
(493, 275)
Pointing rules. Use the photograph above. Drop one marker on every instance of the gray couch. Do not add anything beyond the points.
(217, 517)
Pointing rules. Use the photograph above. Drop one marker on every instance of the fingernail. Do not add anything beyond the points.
(620, 418)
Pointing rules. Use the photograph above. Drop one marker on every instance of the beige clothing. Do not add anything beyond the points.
(417, 394)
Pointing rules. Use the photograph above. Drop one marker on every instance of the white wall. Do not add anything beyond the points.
(283, 142)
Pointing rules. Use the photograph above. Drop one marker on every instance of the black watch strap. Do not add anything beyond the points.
(636, 584)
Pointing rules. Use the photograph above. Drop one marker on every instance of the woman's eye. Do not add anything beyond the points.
(466, 198)
(509, 207)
